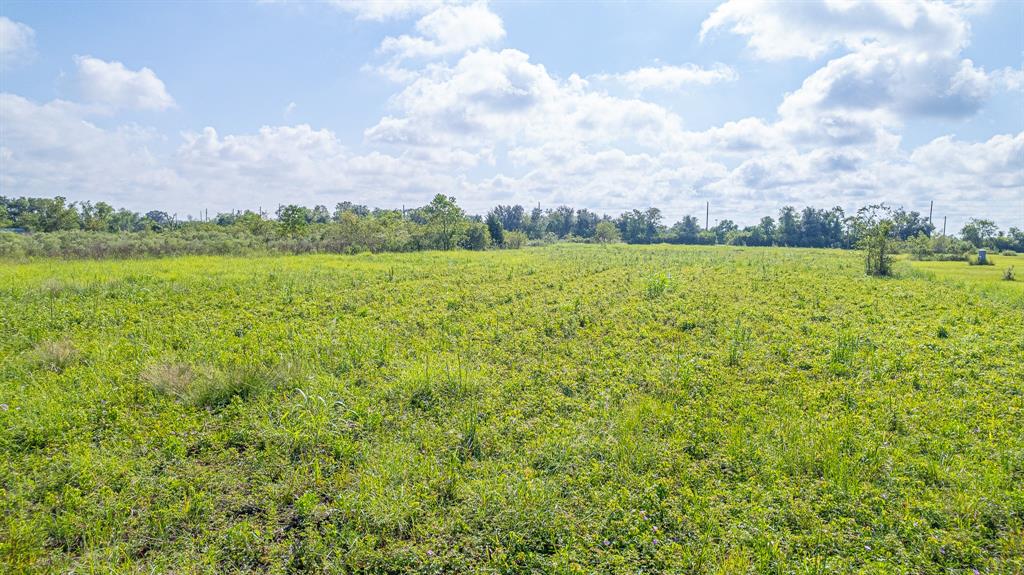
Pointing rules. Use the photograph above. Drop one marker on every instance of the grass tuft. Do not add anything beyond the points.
(55, 355)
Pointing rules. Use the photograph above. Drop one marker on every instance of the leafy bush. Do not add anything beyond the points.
(514, 240)
(877, 249)
(1009, 275)
(973, 260)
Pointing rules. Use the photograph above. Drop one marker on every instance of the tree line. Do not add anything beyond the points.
(97, 229)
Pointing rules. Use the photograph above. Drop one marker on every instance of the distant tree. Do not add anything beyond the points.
(788, 231)
(979, 232)
(638, 227)
(160, 219)
(685, 231)
(476, 237)
(349, 207)
(495, 229)
(95, 218)
(586, 223)
(723, 229)
(537, 225)
(910, 224)
(512, 218)
(606, 232)
(320, 215)
(445, 219)
(293, 219)
(561, 221)
(56, 215)
(5, 217)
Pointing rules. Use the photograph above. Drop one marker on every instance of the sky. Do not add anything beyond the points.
(750, 106)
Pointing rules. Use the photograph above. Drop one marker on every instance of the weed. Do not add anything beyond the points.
(169, 378)
(55, 355)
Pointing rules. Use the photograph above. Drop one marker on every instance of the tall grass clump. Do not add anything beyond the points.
(174, 379)
(55, 355)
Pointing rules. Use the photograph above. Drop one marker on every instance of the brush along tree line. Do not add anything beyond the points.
(55, 227)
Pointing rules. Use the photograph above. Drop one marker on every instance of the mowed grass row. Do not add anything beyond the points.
(571, 409)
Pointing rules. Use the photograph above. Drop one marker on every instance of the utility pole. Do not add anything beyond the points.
(707, 215)
(931, 205)
(943, 225)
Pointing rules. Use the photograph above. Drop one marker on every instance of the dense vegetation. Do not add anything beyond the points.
(568, 409)
(98, 230)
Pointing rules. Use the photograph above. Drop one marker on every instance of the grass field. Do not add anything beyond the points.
(570, 409)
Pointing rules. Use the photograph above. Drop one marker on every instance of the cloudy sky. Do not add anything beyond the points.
(751, 106)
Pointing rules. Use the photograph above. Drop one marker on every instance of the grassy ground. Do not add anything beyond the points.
(572, 409)
(986, 279)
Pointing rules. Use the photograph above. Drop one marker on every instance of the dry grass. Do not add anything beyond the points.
(169, 378)
(56, 355)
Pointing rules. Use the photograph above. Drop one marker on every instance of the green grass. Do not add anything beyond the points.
(984, 279)
(571, 409)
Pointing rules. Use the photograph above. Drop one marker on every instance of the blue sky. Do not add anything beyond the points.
(610, 106)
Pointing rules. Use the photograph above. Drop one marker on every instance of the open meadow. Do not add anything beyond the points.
(567, 409)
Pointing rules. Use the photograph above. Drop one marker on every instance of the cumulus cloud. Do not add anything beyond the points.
(449, 29)
(113, 85)
(52, 146)
(671, 77)
(778, 30)
(17, 42)
(488, 96)
(381, 10)
(489, 124)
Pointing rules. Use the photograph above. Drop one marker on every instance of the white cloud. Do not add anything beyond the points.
(778, 30)
(997, 162)
(17, 42)
(381, 10)
(491, 125)
(448, 30)
(501, 96)
(113, 85)
(671, 77)
(50, 148)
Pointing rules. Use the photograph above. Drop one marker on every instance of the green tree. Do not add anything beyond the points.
(5, 217)
(877, 251)
(476, 237)
(979, 232)
(605, 232)
(445, 220)
(495, 229)
(788, 231)
(293, 219)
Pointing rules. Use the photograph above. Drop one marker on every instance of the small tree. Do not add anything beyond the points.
(445, 219)
(476, 237)
(495, 229)
(877, 253)
(293, 219)
(606, 232)
(920, 247)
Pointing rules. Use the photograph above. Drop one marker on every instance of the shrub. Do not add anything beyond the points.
(1008, 274)
(477, 237)
(972, 259)
(514, 240)
(1009, 253)
(657, 286)
(877, 249)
